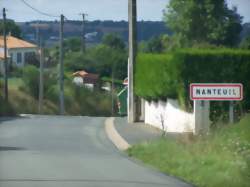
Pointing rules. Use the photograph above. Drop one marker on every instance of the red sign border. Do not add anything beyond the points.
(216, 85)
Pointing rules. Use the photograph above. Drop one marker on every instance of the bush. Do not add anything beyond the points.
(155, 77)
(169, 75)
(31, 80)
(92, 103)
(31, 76)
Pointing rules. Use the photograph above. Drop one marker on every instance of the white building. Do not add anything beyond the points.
(19, 51)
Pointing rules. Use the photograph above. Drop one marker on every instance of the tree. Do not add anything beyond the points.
(113, 41)
(207, 21)
(245, 43)
(11, 27)
(108, 59)
(72, 44)
(154, 45)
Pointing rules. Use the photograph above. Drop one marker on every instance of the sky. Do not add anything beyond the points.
(97, 9)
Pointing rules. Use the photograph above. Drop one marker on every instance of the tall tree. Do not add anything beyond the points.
(203, 21)
(113, 41)
(11, 27)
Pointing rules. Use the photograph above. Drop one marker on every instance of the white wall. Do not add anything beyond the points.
(169, 113)
(20, 50)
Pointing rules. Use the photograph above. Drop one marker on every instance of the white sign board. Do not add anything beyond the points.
(216, 92)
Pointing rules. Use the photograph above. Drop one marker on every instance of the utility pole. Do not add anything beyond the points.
(6, 94)
(41, 86)
(61, 73)
(132, 13)
(112, 91)
(83, 46)
(37, 34)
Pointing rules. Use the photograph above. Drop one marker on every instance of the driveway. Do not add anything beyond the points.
(53, 151)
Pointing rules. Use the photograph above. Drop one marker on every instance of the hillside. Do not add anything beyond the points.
(94, 29)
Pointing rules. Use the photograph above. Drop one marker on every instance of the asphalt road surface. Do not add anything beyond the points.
(43, 151)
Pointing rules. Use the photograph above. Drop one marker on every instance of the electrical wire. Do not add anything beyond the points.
(38, 11)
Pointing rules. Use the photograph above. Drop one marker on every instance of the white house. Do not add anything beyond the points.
(19, 51)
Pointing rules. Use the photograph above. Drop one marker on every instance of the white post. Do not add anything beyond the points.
(142, 117)
(201, 114)
(231, 112)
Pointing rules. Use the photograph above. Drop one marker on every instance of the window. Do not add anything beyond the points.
(19, 58)
(30, 57)
(11, 57)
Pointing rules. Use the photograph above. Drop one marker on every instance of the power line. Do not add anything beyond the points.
(38, 11)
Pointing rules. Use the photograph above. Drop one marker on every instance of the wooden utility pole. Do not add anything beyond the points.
(83, 45)
(132, 13)
(61, 73)
(6, 94)
(41, 86)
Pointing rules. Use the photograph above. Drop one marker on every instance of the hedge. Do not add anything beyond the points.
(162, 76)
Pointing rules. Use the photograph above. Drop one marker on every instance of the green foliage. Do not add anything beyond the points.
(155, 78)
(100, 59)
(30, 77)
(5, 107)
(11, 27)
(92, 103)
(186, 19)
(245, 43)
(154, 45)
(75, 61)
(72, 44)
(220, 159)
(162, 76)
(31, 80)
(113, 41)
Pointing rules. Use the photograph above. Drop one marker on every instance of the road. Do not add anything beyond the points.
(52, 151)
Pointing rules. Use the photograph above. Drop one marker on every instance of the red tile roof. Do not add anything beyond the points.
(13, 42)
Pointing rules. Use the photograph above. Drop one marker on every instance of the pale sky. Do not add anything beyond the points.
(97, 9)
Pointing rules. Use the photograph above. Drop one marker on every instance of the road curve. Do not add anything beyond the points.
(53, 151)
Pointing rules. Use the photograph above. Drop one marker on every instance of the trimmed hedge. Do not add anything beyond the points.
(169, 75)
(155, 77)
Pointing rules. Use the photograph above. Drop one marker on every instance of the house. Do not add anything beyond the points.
(19, 51)
(83, 78)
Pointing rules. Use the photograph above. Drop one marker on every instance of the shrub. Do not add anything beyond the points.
(155, 77)
(169, 75)
(31, 80)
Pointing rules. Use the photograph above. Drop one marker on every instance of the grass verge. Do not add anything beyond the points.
(219, 159)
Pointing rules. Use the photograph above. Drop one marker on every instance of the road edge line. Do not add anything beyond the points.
(114, 136)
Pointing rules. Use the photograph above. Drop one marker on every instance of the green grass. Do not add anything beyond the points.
(13, 83)
(218, 160)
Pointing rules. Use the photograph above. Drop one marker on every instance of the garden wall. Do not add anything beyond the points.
(168, 116)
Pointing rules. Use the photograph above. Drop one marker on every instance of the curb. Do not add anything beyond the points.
(114, 136)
